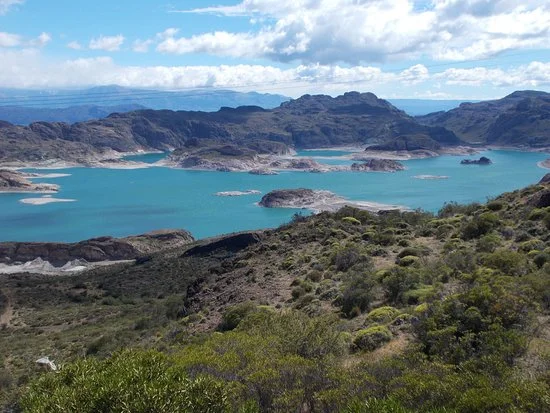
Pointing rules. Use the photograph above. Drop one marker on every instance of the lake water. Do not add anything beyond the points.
(123, 202)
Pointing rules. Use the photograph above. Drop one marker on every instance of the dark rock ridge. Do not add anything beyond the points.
(13, 181)
(213, 155)
(521, 119)
(378, 165)
(545, 179)
(307, 122)
(96, 249)
(481, 161)
(541, 199)
(288, 197)
(230, 243)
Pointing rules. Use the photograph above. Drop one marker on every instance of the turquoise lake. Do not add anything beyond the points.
(123, 202)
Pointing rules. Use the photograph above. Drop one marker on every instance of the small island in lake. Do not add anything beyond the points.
(378, 165)
(481, 161)
(318, 201)
(13, 181)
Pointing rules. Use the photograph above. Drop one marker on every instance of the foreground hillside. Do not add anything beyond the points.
(307, 122)
(346, 311)
(521, 119)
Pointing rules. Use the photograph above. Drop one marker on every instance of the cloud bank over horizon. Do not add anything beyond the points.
(397, 48)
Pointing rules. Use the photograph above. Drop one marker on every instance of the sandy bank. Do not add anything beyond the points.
(44, 200)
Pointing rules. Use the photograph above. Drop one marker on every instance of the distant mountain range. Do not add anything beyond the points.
(23, 107)
(21, 115)
(519, 119)
(307, 122)
(26, 106)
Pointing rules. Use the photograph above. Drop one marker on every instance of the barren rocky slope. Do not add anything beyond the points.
(521, 119)
(307, 122)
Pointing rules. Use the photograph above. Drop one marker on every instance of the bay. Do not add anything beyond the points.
(123, 202)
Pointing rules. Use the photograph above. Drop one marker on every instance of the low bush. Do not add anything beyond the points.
(382, 315)
(372, 338)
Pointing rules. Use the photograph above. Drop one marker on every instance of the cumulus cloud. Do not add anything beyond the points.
(42, 40)
(29, 69)
(142, 46)
(9, 39)
(359, 31)
(107, 43)
(5, 5)
(15, 40)
(534, 74)
(74, 45)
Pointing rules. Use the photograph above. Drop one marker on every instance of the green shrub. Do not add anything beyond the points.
(488, 243)
(382, 315)
(397, 281)
(541, 259)
(480, 225)
(508, 262)
(496, 205)
(536, 214)
(531, 245)
(357, 294)
(372, 338)
(235, 314)
(351, 220)
(419, 295)
(407, 261)
(409, 251)
(131, 381)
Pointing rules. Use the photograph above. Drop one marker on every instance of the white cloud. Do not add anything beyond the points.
(107, 43)
(534, 74)
(42, 40)
(74, 45)
(359, 31)
(15, 40)
(29, 69)
(142, 46)
(9, 39)
(5, 5)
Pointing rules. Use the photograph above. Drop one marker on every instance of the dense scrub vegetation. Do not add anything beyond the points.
(349, 312)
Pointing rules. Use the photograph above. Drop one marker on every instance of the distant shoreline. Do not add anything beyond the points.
(357, 153)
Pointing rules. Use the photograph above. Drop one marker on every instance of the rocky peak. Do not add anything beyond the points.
(350, 102)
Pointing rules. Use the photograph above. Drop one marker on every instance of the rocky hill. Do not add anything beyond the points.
(94, 250)
(338, 312)
(307, 122)
(521, 119)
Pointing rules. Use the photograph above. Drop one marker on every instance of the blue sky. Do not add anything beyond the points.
(473, 49)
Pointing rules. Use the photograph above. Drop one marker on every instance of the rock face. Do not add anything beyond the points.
(317, 201)
(262, 171)
(307, 122)
(293, 198)
(94, 250)
(521, 119)
(545, 179)
(541, 199)
(481, 161)
(12, 181)
(212, 155)
(378, 165)
(230, 243)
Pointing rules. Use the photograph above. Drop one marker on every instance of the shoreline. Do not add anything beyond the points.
(358, 154)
